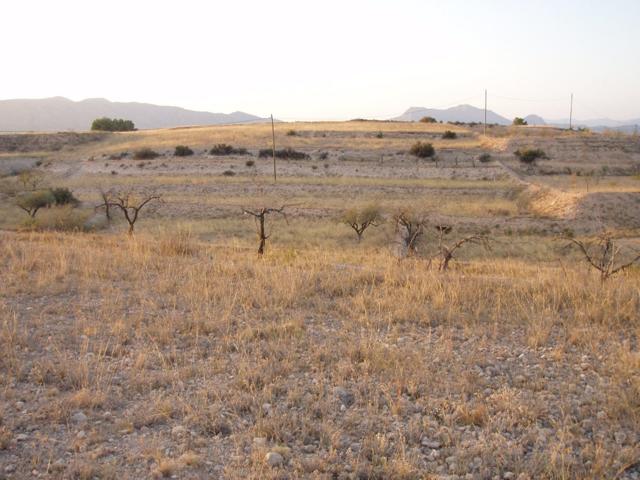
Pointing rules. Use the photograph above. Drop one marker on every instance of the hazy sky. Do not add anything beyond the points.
(329, 59)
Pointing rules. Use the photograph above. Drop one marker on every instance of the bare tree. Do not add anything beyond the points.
(409, 228)
(603, 255)
(106, 198)
(260, 216)
(31, 179)
(129, 205)
(360, 220)
(445, 252)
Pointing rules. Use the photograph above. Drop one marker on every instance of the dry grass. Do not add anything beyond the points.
(190, 357)
(162, 332)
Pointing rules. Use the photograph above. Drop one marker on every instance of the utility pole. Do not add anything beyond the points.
(273, 139)
(485, 111)
(571, 113)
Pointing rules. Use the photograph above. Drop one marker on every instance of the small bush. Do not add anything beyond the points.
(379, 135)
(428, 120)
(449, 135)
(63, 219)
(145, 154)
(530, 155)
(291, 133)
(323, 155)
(249, 163)
(224, 149)
(182, 151)
(285, 154)
(64, 196)
(422, 150)
(228, 173)
(484, 158)
(519, 121)
(105, 124)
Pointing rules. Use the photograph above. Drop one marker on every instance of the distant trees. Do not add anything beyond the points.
(361, 219)
(519, 121)
(105, 124)
(428, 120)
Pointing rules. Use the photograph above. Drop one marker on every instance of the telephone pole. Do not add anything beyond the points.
(485, 111)
(571, 113)
(273, 138)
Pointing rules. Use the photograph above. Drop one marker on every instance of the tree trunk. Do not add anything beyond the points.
(263, 237)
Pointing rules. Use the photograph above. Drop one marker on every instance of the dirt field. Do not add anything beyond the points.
(178, 353)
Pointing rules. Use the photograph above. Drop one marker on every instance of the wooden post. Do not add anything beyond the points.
(273, 139)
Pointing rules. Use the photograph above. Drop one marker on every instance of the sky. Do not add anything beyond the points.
(321, 60)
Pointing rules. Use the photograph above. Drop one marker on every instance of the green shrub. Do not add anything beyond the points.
(519, 121)
(224, 149)
(249, 163)
(145, 154)
(428, 120)
(449, 135)
(379, 135)
(182, 151)
(484, 158)
(228, 173)
(64, 196)
(530, 155)
(105, 124)
(285, 154)
(291, 133)
(422, 150)
(323, 155)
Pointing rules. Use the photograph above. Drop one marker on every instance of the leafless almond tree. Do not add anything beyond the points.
(604, 255)
(106, 196)
(130, 205)
(260, 216)
(445, 252)
(409, 228)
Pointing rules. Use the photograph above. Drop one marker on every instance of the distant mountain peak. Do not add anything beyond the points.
(460, 113)
(60, 113)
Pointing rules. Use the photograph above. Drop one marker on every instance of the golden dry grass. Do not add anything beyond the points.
(165, 332)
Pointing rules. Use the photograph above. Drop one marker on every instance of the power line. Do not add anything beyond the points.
(533, 100)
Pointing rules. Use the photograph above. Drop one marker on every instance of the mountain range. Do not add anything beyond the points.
(60, 114)
(469, 113)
